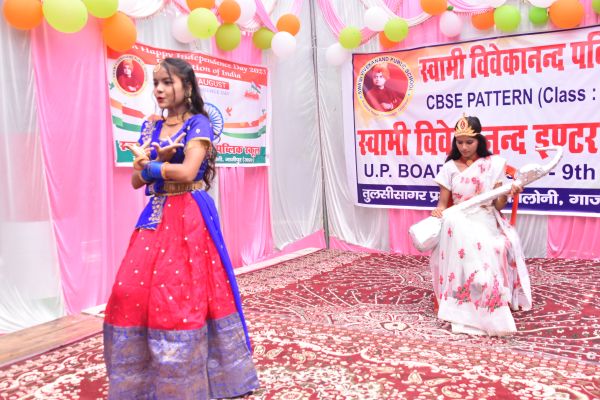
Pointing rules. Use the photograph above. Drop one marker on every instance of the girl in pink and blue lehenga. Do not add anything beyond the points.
(478, 268)
(174, 327)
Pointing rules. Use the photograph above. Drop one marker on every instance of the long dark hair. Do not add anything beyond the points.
(195, 104)
(482, 149)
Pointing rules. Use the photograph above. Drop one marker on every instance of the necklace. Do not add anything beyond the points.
(174, 123)
(175, 120)
(468, 162)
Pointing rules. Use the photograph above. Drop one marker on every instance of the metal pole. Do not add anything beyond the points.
(313, 31)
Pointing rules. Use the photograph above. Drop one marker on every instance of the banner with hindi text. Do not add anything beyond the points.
(236, 96)
(527, 90)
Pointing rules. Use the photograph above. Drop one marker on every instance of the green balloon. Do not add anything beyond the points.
(262, 38)
(538, 15)
(228, 37)
(507, 18)
(202, 23)
(350, 37)
(596, 6)
(396, 29)
(67, 16)
(102, 8)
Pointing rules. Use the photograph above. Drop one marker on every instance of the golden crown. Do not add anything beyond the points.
(463, 128)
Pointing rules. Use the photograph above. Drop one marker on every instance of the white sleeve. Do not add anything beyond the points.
(444, 177)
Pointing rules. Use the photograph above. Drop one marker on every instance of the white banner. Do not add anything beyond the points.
(236, 98)
(527, 90)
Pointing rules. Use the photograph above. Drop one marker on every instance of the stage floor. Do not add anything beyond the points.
(344, 325)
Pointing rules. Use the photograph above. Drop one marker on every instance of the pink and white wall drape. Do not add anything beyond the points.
(93, 209)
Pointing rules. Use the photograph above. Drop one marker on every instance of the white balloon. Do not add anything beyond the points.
(127, 6)
(375, 19)
(283, 44)
(180, 30)
(494, 3)
(541, 3)
(247, 11)
(336, 54)
(450, 24)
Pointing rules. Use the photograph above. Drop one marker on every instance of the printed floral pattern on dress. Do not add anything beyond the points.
(463, 294)
(478, 185)
(494, 299)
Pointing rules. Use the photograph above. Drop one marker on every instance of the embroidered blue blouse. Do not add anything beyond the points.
(197, 127)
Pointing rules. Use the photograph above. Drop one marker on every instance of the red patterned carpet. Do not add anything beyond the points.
(391, 294)
(338, 325)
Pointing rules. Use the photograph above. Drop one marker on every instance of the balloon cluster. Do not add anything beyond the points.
(505, 17)
(224, 24)
(492, 13)
(70, 16)
(223, 20)
(391, 31)
(562, 13)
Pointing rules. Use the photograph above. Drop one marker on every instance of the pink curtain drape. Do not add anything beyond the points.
(336, 243)
(91, 208)
(573, 237)
(315, 240)
(244, 192)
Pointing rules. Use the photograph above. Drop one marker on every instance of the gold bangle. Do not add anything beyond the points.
(162, 170)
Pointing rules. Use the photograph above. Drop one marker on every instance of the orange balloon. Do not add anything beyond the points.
(23, 14)
(566, 13)
(230, 11)
(119, 32)
(288, 23)
(385, 42)
(483, 21)
(434, 7)
(193, 4)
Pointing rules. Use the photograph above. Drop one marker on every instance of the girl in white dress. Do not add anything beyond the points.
(478, 268)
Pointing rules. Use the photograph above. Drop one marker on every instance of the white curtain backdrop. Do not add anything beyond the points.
(367, 227)
(29, 280)
(295, 173)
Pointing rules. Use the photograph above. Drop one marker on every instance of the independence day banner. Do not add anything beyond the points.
(236, 97)
(528, 91)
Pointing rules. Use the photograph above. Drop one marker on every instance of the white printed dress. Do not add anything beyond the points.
(478, 269)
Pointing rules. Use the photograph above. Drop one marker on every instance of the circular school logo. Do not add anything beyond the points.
(384, 85)
(129, 74)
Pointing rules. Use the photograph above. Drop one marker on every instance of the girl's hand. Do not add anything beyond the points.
(437, 212)
(140, 153)
(167, 152)
(515, 189)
